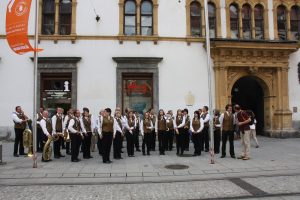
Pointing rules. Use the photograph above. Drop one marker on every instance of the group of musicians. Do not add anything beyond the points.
(77, 129)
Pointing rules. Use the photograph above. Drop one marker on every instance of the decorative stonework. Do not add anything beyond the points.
(267, 63)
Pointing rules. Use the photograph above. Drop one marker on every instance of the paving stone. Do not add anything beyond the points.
(91, 175)
(70, 175)
(37, 175)
(146, 174)
(104, 175)
(57, 175)
(118, 175)
(167, 173)
(198, 172)
(134, 174)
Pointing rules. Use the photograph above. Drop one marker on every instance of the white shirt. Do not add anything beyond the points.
(16, 119)
(66, 119)
(71, 124)
(92, 124)
(44, 127)
(206, 119)
(142, 126)
(253, 126)
(118, 127)
(101, 124)
(180, 125)
(126, 125)
(200, 128)
(54, 118)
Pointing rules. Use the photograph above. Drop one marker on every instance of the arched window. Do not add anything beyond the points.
(281, 23)
(48, 17)
(146, 18)
(195, 14)
(246, 18)
(212, 20)
(295, 23)
(130, 18)
(65, 17)
(234, 21)
(259, 21)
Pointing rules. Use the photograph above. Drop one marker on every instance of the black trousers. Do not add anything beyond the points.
(106, 145)
(162, 141)
(197, 140)
(56, 146)
(63, 146)
(117, 144)
(19, 141)
(146, 143)
(39, 139)
(205, 142)
(170, 139)
(68, 147)
(136, 134)
(99, 145)
(86, 145)
(186, 138)
(153, 140)
(180, 141)
(75, 145)
(217, 140)
(130, 143)
(228, 135)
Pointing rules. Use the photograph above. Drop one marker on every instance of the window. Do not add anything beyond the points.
(212, 20)
(234, 21)
(65, 17)
(295, 23)
(246, 19)
(195, 15)
(281, 23)
(48, 17)
(146, 18)
(130, 18)
(259, 21)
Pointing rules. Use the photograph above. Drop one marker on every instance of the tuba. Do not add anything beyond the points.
(27, 140)
(47, 151)
(66, 135)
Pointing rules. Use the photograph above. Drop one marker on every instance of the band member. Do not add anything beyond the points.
(196, 127)
(97, 124)
(227, 127)
(130, 127)
(186, 129)
(146, 129)
(117, 143)
(76, 136)
(153, 134)
(57, 132)
(217, 131)
(63, 146)
(205, 116)
(107, 132)
(170, 130)
(136, 131)
(179, 123)
(243, 121)
(253, 126)
(46, 126)
(20, 120)
(87, 128)
(160, 129)
(67, 119)
(39, 131)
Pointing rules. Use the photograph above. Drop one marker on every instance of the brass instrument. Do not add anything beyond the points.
(66, 135)
(56, 136)
(28, 140)
(47, 151)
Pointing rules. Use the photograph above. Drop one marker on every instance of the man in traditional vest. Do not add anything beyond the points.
(243, 121)
(46, 126)
(20, 120)
(186, 129)
(75, 132)
(67, 119)
(227, 127)
(153, 134)
(205, 116)
(39, 131)
(87, 124)
(58, 129)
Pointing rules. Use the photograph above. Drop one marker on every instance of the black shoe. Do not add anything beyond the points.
(148, 154)
(217, 152)
(233, 156)
(223, 156)
(187, 149)
(206, 150)
(57, 157)
(121, 152)
(91, 157)
(23, 154)
(195, 154)
(109, 162)
(85, 157)
(138, 150)
(75, 160)
(16, 155)
(68, 153)
(144, 153)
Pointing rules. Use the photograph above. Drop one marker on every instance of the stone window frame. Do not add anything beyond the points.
(58, 65)
(56, 36)
(288, 5)
(137, 65)
(138, 37)
(218, 18)
(252, 3)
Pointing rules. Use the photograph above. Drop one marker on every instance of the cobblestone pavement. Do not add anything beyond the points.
(273, 172)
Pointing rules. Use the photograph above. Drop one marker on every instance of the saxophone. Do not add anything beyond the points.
(47, 151)
(27, 140)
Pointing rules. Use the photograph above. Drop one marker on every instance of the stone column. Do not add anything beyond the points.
(155, 19)
(56, 31)
(73, 24)
(138, 17)
(121, 18)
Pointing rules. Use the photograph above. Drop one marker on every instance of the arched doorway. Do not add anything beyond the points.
(249, 94)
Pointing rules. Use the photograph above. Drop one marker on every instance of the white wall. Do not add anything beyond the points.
(294, 85)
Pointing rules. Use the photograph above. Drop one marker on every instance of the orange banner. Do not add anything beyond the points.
(17, 14)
